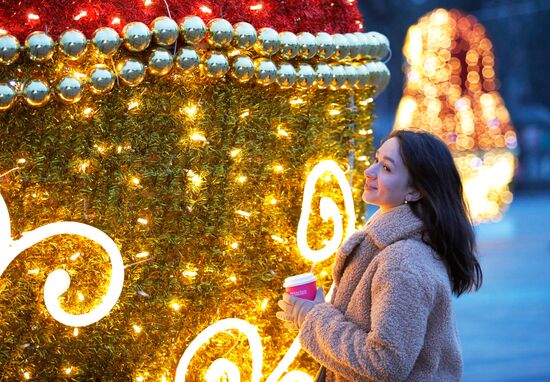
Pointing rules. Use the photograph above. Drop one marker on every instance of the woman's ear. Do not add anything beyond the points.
(413, 195)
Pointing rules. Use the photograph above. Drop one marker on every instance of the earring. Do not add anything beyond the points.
(406, 201)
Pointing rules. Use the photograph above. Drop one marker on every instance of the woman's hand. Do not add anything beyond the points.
(295, 309)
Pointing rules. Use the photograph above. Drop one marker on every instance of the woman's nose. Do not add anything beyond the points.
(369, 172)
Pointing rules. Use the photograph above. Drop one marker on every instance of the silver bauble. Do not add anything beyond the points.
(289, 45)
(363, 44)
(266, 71)
(9, 49)
(137, 36)
(342, 46)
(131, 72)
(36, 92)
(305, 76)
(219, 33)
(216, 64)
(69, 89)
(325, 45)
(101, 79)
(351, 76)
(242, 68)
(106, 41)
(193, 29)
(308, 46)
(286, 75)
(362, 76)
(268, 42)
(323, 75)
(354, 46)
(40, 46)
(165, 30)
(161, 62)
(339, 76)
(245, 35)
(188, 59)
(7, 96)
(73, 44)
(381, 44)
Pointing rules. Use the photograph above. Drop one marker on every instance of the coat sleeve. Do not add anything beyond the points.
(401, 304)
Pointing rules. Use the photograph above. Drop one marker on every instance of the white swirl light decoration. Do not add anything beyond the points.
(328, 210)
(59, 280)
(223, 366)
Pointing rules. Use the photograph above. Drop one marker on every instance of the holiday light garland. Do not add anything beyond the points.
(451, 91)
(198, 179)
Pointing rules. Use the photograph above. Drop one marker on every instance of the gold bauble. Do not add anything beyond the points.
(354, 46)
(9, 49)
(73, 44)
(40, 46)
(219, 33)
(165, 30)
(305, 76)
(362, 76)
(325, 45)
(36, 92)
(339, 76)
(323, 75)
(161, 62)
(268, 42)
(69, 89)
(245, 35)
(342, 46)
(352, 76)
(289, 45)
(308, 46)
(7, 96)
(363, 44)
(106, 41)
(216, 64)
(137, 36)
(266, 71)
(193, 29)
(131, 72)
(187, 59)
(101, 79)
(286, 75)
(242, 68)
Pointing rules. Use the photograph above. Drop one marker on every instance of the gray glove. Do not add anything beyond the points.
(295, 309)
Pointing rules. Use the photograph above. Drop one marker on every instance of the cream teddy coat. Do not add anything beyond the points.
(390, 317)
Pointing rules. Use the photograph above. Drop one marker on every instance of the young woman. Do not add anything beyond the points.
(390, 317)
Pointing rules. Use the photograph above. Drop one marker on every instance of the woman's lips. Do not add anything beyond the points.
(369, 187)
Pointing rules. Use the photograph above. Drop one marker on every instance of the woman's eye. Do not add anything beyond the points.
(386, 168)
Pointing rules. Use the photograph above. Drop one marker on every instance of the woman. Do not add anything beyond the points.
(390, 317)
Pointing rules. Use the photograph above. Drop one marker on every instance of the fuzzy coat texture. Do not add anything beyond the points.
(390, 317)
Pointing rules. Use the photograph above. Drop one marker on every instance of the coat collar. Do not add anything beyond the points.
(399, 223)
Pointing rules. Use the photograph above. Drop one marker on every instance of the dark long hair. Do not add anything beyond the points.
(441, 207)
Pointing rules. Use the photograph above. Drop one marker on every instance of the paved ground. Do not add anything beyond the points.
(505, 327)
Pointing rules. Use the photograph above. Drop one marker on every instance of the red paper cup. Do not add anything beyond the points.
(302, 286)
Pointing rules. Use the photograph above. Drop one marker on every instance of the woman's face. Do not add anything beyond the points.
(387, 179)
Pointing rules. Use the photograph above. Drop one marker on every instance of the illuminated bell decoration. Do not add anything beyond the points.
(106, 41)
(69, 89)
(36, 93)
(342, 46)
(219, 33)
(9, 49)
(73, 43)
(7, 96)
(354, 46)
(305, 76)
(340, 76)
(245, 35)
(286, 75)
(325, 45)
(101, 79)
(324, 75)
(131, 72)
(266, 71)
(161, 62)
(308, 45)
(165, 31)
(137, 36)
(216, 65)
(187, 59)
(40, 46)
(242, 68)
(289, 45)
(268, 42)
(193, 29)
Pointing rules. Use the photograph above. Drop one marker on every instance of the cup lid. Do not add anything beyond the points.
(302, 279)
